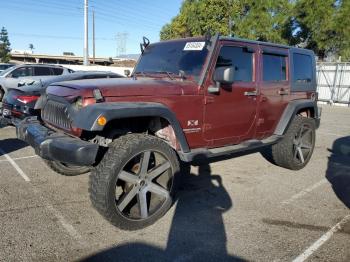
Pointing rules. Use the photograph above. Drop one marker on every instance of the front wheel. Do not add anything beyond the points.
(134, 184)
(294, 151)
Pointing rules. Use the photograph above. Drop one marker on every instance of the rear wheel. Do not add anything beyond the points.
(135, 182)
(67, 170)
(295, 149)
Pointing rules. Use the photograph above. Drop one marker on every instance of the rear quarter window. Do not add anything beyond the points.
(42, 71)
(302, 72)
(57, 71)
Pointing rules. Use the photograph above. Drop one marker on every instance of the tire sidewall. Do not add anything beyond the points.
(150, 144)
(300, 122)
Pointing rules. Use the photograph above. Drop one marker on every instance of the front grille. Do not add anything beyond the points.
(55, 113)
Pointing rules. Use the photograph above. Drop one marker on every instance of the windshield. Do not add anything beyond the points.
(6, 71)
(173, 57)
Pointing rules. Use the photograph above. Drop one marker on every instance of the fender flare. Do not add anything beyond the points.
(291, 110)
(86, 118)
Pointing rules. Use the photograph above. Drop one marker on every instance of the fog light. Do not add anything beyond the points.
(101, 121)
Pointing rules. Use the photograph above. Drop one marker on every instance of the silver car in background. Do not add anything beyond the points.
(17, 75)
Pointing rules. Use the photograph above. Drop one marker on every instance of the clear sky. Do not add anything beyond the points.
(55, 26)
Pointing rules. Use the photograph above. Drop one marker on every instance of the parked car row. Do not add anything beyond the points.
(19, 102)
(15, 76)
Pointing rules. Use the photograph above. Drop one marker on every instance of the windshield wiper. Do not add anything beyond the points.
(140, 73)
(169, 74)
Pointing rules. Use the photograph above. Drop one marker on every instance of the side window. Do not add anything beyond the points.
(57, 71)
(22, 72)
(274, 67)
(240, 59)
(42, 71)
(302, 68)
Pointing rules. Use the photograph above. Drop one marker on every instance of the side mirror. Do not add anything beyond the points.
(222, 75)
(127, 72)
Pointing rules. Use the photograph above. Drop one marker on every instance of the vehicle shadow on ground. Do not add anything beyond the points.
(197, 231)
(10, 145)
(338, 171)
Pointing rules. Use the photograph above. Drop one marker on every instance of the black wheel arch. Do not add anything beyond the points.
(87, 117)
(294, 108)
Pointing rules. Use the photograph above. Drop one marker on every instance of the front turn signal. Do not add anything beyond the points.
(101, 121)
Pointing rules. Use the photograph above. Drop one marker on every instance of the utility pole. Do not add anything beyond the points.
(86, 34)
(93, 36)
(230, 22)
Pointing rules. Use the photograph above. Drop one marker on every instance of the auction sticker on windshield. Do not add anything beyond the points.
(194, 46)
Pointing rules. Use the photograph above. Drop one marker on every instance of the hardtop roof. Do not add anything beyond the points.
(237, 39)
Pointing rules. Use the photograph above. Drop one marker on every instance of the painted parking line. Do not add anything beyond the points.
(67, 226)
(15, 166)
(304, 192)
(19, 158)
(330, 134)
(323, 239)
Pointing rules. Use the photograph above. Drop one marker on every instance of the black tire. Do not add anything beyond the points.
(134, 185)
(67, 170)
(2, 93)
(294, 151)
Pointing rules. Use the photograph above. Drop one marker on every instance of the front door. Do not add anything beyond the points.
(230, 114)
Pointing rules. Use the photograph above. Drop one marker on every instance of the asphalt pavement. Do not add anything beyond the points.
(239, 209)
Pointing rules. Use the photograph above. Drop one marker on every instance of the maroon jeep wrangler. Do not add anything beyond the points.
(187, 99)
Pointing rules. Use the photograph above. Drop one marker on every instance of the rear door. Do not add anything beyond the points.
(274, 88)
(230, 115)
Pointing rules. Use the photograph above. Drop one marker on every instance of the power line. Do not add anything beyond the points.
(140, 6)
(59, 37)
(127, 19)
(135, 11)
(18, 8)
(45, 5)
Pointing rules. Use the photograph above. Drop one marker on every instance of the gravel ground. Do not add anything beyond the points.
(243, 208)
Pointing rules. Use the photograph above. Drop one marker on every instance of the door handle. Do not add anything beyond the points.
(251, 93)
(283, 92)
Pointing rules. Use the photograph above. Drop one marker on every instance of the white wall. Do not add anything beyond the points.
(333, 82)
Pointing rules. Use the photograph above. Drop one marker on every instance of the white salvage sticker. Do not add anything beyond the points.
(191, 46)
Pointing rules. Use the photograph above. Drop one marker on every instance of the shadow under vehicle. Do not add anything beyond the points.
(338, 171)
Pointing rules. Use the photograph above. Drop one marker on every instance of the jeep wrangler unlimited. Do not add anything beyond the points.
(186, 99)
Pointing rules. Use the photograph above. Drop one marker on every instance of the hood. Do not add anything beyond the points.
(123, 87)
(35, 88)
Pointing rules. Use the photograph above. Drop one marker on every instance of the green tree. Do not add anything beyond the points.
(4, 46)
(315, 23)
(264, 20)
(342, 28)
(254, 19)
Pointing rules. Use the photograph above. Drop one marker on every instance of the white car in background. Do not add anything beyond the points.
(19, 75)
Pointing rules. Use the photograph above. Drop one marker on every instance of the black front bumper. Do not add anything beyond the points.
(54, 146)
